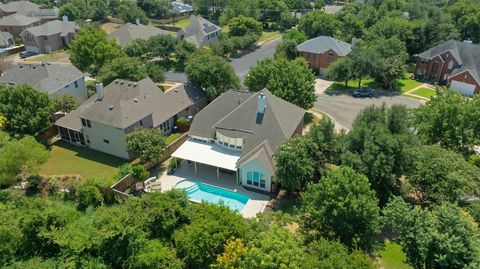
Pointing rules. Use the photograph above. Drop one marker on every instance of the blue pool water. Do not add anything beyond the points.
(199, 192)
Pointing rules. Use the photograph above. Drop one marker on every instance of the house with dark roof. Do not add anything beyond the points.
(239, 132)
(130, 32)
(200, 32)
(321, 51)
(181, 9)
(452, 63)
(16, 23)
(103, 121)
(51, 36)
(17, 7)
(51, 78)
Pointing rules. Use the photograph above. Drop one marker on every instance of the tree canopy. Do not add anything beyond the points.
(146, 144)
(122, 68)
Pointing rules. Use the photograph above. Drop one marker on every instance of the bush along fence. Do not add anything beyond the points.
(120, 188)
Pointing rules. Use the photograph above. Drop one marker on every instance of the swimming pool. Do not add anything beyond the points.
(198, 192)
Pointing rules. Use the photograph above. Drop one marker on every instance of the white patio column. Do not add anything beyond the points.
(195, 164)
(237, 176)
(218, 173)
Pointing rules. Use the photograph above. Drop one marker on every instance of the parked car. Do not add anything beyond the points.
(26, 54)
(365, 92)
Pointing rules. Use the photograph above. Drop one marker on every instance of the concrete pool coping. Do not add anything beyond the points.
(207, 175)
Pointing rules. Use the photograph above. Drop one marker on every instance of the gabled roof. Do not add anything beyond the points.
(130, 32)
(52, 28)
(127, 102)
(323, 44)
(45, 77)
(17, 20)
(179, 8)
(234, 114)
(22, 7)
(4, 36)
(465, 53)
(198, 29)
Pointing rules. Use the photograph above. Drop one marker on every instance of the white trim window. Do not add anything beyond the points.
(255, 179)
(165, 126)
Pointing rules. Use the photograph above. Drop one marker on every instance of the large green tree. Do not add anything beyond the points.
(122, 68)
(212, 73)
(341, 206)
(26, 109)
(435, 175)
(446, 237)
(318, 23)
(129, 11)
(69, 10)
(450, 120)
(146, 144)
(91, 49)
(293, 81)
(240, 26)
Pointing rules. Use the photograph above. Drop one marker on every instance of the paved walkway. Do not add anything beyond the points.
(208, 175)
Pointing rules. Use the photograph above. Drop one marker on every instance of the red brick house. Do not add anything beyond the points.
(452, 63)
(321, 51)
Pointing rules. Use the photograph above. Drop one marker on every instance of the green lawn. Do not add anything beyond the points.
(353, 84)
(408, 83)
(172, 138)
(393, 257)
(67, 159)
(268, 36)
(181, 23)
(424, 92)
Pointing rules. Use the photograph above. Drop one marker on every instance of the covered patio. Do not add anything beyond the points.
(210, 154)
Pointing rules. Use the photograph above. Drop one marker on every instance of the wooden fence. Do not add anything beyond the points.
(122, 185)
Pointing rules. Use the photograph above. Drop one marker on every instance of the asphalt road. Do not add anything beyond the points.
(241, 65)
(344, 108)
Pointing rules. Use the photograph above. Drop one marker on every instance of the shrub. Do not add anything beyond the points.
(139, 173)
(182, 120)
(35, 184)
(52, 186)
(5, 197)
(89, 194)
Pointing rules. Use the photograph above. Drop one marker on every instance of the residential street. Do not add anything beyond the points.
(241, 65)
(344, 108)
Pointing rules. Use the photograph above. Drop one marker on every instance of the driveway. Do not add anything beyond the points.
(241, 65)
(321, 85)
(344, 108)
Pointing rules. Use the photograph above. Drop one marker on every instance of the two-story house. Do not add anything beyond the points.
(51, 78)
(322, 51)
(129, 32)
(239, 132)
(51, 36)
(452, 63)
(200, 32)
(103, 121)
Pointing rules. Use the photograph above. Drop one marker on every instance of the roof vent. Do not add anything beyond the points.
(129, 84)
(122, 82)
(20, 66)
(134, 84)
(116, 81)
(43, 63)
(135, 100)
(111, 107)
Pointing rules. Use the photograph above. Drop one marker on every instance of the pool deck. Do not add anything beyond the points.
(207, 175)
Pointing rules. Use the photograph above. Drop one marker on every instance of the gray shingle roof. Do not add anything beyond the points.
(53, 27)
(22, 7)
(180, 8)
(4, 36)
(45, 77)
(198, 29)
(466, 54)
(129, 32)
(17, 20)
(322, 44)
(234, 114)
(126, 102)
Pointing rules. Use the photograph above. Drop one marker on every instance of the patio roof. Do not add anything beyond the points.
(209, 154)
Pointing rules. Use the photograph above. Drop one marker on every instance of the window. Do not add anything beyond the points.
(76, 84)
(88, 124)
(165, 126)
(330, 57)
(450, 65)
(141, 123)
(106, 141)
(28, 37)
(255, 179)
(84, 123)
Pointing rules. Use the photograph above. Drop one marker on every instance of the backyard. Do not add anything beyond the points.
(52, 57)
(71, 160)
(392, 257)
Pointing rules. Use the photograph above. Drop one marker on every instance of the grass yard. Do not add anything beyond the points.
(172, 138)
(181, 23)
(408, 83)
(393, 257)
(425, 92)
(352, 84)
(266, 36)
(53, 57)
(68, 159)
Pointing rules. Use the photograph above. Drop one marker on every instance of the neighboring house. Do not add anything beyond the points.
(15, 24)
(239, 132)
(17, 7)
(454, 63)
(51, 36)
(6, 40)
(130, 32)
(321, 51)
(54, 79)
(103, 121)
(181, 9)
(45, 15)
(200, 32)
